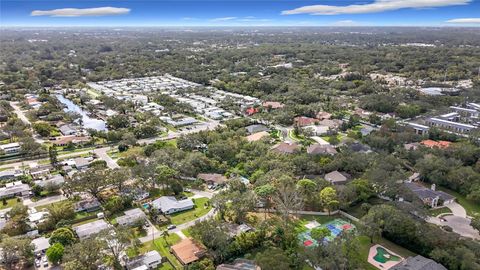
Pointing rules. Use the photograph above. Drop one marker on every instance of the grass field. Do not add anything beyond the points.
(10, 203)
(198, 211)
(436, 212)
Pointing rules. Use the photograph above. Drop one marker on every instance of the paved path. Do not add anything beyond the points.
(457, 209)
(102, 154)
(19, 164)
(18, 111)
(48, 200)
(152, 233)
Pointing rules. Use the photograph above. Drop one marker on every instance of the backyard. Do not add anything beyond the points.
(7, 203)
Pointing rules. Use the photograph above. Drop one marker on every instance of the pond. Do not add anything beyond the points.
(88, 122)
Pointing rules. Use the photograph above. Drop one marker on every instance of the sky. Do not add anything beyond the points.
(106, 13)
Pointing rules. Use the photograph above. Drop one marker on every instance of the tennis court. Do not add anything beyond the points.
(336, 227)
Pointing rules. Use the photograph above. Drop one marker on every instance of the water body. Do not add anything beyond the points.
(88, 122)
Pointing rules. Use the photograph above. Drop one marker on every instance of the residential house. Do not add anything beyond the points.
(147, 261)
(40, 171)
(40, 245)
(10, 174)
(286, 148)
(81, 163)
(67, 130)
(187, 251)
(87, 205)
(319, 149)
(11, 148)
(66, 140)
(450, 125)
(15, 189)
(411, 146)
(330, 123)
(336, 178)
(257, 136)
(303, 121)
(54, 181)
(239, 264)
(359, 147)
(251, 111)
(430, 196)
(256, 128)
(236, 229)
(317, 130)
(418, 263)
(35, 217)
(169, 204)
(213, 179)
(90, 229)
(131, 217)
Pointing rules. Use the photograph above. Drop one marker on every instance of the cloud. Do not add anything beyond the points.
(465, 20)
(223, 19)
(374, 7)
(79, 12)
(346, 23)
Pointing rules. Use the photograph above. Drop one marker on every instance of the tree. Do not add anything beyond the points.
(164, 174)
(475, 222)
(85, 255)
(319, 233)
(308, 189)
(53, 155)
(91, 181)
(265, 192)
(16, 250)
(273, 259)
(55, 253)
(118, 177)
(64, 236)
(211, 233)
(43, 129)
(115, 243)
(287, 198)
(328, 198)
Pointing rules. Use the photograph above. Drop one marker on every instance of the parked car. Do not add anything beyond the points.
(171, 227)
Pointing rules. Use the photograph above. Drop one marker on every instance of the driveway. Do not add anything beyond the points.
(457, 209)
(459, 225)
(102, 154)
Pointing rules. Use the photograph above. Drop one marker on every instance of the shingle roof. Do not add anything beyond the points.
(88, 229)
(418, 263)
(167, 203)
(187, 251)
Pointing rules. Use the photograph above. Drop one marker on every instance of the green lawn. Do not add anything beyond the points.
(471, 207)
(436, 212)
(186, 232)
(198, 211)
(10, 203)
(163, 247)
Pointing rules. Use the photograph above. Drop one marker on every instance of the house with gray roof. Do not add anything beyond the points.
(40, 244)
(430, 196)
(170, 205)
(336, 178)
(89, 229)
(9, 174)
(15, 189)
(149, 260)
(256, 128)
(131, 217)
(54, 181)
(418, 263)
(67, 130)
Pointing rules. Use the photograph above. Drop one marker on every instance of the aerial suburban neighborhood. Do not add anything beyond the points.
(236, 143)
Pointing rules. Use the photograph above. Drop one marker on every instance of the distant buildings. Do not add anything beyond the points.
(169, 204)
(286, 148)
(336, 178)
(213, 179)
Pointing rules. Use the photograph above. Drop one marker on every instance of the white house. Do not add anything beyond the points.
(170, 205)
(10, 148)
(149, 260)
(131, 217)
(89, 229)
